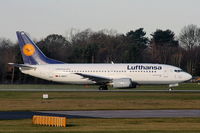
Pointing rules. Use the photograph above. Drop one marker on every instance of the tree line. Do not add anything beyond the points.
(107, 46)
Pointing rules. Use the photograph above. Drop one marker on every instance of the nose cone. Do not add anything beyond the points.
(187, 76)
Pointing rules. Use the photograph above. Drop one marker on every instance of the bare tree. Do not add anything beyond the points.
(190, 40)
(7, 54)
(190, 36)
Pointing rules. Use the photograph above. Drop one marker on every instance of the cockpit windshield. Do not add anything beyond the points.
(178, 71)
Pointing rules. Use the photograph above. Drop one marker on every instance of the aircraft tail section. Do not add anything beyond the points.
(31, 54)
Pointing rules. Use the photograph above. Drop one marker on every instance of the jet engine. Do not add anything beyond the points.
(122, 83)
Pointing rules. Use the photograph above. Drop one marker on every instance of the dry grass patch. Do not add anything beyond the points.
(97, 100)
(158, 125)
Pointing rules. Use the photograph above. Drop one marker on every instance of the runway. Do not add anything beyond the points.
(129, 113)
(96, 90)
(104, 114)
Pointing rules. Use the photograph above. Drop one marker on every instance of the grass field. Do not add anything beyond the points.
(183, 86)
(159, 125)
(10, 101)
(22, 101)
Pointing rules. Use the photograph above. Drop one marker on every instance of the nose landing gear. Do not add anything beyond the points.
(172, 85)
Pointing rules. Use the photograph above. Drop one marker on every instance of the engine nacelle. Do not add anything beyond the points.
(122, 83)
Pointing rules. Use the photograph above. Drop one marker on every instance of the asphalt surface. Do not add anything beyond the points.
(104, 114)
(128, 113)
(4, 115)
(96, 90)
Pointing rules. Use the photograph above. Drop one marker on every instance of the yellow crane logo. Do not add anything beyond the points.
(28, 49)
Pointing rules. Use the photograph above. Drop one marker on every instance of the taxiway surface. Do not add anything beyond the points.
(104, 114)
(129, 113)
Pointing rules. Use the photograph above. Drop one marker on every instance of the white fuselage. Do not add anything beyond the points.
(138, 73)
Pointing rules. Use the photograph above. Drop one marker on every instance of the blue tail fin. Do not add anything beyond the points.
(31, 53)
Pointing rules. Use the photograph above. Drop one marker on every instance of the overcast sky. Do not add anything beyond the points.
(43, 17)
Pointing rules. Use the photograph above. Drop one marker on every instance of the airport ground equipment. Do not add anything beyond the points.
(49, 121)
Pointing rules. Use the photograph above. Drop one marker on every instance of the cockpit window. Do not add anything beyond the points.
(178, 71)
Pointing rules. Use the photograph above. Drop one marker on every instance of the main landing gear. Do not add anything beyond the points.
(103, 87)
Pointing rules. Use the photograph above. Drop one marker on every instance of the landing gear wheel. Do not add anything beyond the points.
(134, 85)
(170, 89)
(103, 87)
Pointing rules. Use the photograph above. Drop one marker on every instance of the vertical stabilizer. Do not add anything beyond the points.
(31, 54)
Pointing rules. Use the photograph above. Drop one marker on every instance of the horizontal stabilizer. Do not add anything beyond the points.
(23, 66)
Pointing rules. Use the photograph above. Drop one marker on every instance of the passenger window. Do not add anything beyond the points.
(178, 71)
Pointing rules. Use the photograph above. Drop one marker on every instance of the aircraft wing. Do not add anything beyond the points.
(97, 79)
(23, 66)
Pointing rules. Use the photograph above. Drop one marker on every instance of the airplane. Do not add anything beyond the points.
(117, 75)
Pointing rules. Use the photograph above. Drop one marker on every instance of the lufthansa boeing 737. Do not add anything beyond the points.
(117, 75)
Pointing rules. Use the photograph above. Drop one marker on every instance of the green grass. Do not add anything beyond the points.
(20, 101)
(158, 125)
(183, 86)
(11, 101)
(45, 86)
